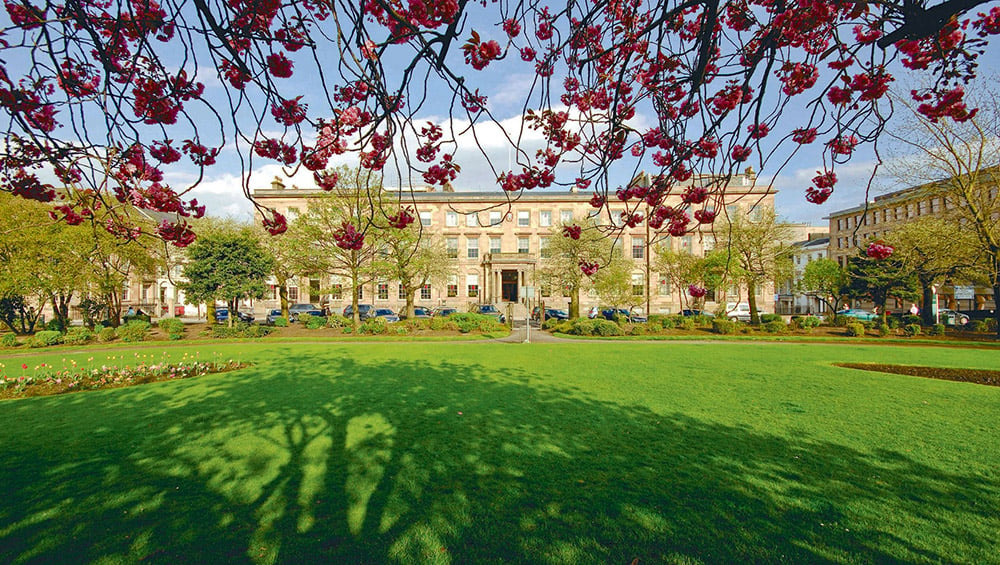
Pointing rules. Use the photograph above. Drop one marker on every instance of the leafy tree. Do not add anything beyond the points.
(613, 283)
(98, 86)
(414, 261)
(959, 161)
(823, 279)
(226, 266)
(112, 263)
(682, 270)
(934, 250)
(573, 260)
(338, 225)
(757, 246)
(290, 256)
(878, 279)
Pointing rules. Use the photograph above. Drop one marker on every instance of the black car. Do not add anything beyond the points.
(490, 310)
(443, 312)
(689, 312)
(222, 316)
(295, 309)
(364, 311)
(421, 313)
(550, 313)
(272, 315)
(611, 313)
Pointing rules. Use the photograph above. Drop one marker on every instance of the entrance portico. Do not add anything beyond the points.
(506, 274)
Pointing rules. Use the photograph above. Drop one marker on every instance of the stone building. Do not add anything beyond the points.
(497, 245)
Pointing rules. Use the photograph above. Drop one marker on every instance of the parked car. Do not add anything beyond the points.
(364, 311)
(419, 313)
(385, 313)
(738, 311)
(952, 318)
(490, 310)
(549, 314)
(272, 315)
(611, 313)
(443, 312)
(222, 316)
(689, 313)
(858, 314)
(295, 309)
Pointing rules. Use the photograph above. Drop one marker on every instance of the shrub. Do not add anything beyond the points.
(55, 325)
(173, 326)
(45, 338)
(607, 328)
(723, 326)
(660, 320)
(551, 323)
(78, 336)
(767, 318)
(911, 330)
(806, 323)
(469, 322)
(911, 319)
(8, 340)
(937, 329)
(838, 321)
(980, 326)
(314, 322)
(401, 329)
(133, 331)
(638, 329)
(437, 323)
(775, 326)
(416, 324)
(991, 325)
(855, 329)
(883, 329)
(338, 321)
(238, 331)
(281, 322)
(684, 323)
(374, 326)
(106, 334)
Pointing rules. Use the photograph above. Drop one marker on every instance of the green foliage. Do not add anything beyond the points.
(55, 325)
(660, 321)
(855, 329)
(911, 330)
(937, 329)
(311, 322)
(239, 330)
(883, 329)
(437, 323)
(980, 326)
(638, 329)
(469, 322)
(991, 325)
(374, 326)
(775, 326)
(911, 319)
(174, 328)
(281, 322)
(415, 324)
(133, 331)
(806, 322)
(595, 327)
(724, 326)
(106, 334)
(838, 321)
(45, 338)
(8, 340)
(685, 323)
(765, 318)
(226, 265)
(78, 336)
(551, 323)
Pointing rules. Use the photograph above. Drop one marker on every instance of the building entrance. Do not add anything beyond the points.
(508, 285)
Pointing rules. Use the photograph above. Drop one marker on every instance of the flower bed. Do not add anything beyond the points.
(44, 380)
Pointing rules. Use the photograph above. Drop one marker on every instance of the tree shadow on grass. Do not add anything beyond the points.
(346, 461)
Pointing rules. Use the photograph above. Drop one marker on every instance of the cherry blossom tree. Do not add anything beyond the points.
(104, 100)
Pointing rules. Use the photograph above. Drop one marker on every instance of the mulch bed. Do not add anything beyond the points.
(977, 376)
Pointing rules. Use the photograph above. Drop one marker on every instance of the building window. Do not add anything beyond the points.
(293, 294)
(471, 220)
(545, 218)
(451, 219)
(273, 291)
(472, 285)
(125, 292)
(495, 245)
(523, 245)
(686, 242)
(922, 207)
(495, 218)
(337, 292)
(451, 244)
(638, 248)
(452, 286)
(663, 288)
(935, 205)
(638, 286)
(425, 219)
(616, 218)
(383, 291)
(566, 216)
(472, 247)
(425, 292)
(402, 292)
(543, 248)
(524, 219)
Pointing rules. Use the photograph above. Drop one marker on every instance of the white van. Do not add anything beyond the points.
(738, 311)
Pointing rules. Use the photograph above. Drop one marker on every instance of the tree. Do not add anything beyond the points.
(338, 227)
(825, 280)
(575, 255)
(415, 261)
(934, 250)
(226, 266)
(290, 258)
(689, 274)
(757, 246)
(613, 283)
(877, 279)
(107, 94)
(112, 263)
(960, 162)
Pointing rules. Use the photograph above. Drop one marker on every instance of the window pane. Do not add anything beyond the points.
(451, 219)
(523, 245)
(471, 220)
(545, 218)
(425, 219)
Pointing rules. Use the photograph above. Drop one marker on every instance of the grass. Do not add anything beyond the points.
(482, 452)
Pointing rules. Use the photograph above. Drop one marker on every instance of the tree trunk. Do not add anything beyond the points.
(752, 301)
(283, 297)
(355, 315)
(232, 311)
(574, 302)
(410, 298)
(927, 308)
(996, 305)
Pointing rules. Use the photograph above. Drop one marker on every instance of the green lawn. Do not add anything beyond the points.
(498, 453)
